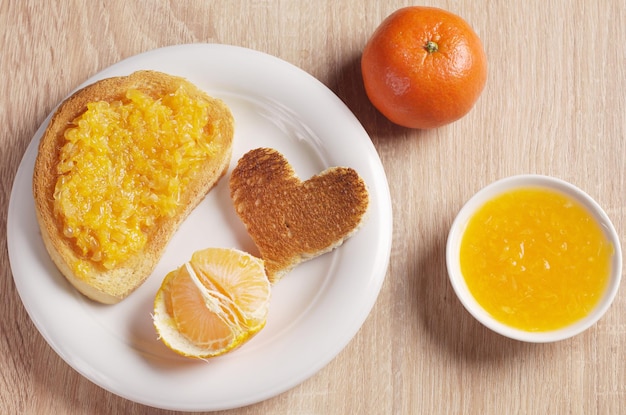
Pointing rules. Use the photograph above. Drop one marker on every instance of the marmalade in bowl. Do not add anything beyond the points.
(123, 167)
(535, 259)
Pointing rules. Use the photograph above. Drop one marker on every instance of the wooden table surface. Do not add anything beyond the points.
(555, 104)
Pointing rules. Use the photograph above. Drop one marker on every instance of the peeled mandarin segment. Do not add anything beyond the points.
(212, 304)
(240, 278)
(199, 323)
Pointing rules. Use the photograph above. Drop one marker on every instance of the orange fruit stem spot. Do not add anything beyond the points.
(431, 47)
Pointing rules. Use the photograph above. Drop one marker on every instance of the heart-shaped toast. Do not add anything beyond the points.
(291, 220)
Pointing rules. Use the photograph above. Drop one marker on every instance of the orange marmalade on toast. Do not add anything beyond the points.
(123, 167)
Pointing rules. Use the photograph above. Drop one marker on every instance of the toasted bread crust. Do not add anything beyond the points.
(110, 286)
(292, 221)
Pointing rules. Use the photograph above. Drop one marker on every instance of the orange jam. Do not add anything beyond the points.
(123, 167)
(535, 259)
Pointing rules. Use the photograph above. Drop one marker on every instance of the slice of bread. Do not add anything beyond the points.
(105, 284)
(290, 220)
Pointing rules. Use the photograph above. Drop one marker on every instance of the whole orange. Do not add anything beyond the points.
(424, 67)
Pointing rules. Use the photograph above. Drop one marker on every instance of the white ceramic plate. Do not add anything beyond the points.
(315, 310)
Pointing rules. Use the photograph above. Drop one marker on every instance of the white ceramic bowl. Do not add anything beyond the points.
(467, 299)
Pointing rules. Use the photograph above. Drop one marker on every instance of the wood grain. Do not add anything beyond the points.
(554, 104)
